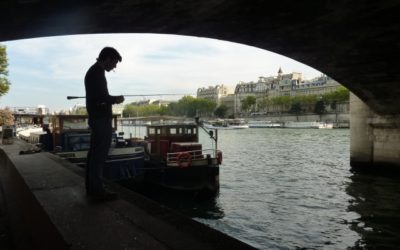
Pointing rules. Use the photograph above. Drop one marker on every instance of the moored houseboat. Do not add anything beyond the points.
(169, 156)
(178, 161)
(69, 137)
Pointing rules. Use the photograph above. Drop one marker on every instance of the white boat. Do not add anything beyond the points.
(226, 124)
(24, 133)
(325, 125)
(264, 124)
(301, 124)
(318, 125)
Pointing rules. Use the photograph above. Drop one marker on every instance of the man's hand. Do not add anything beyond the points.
(120, 99)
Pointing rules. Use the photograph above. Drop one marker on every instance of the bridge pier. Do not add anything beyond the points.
(375, 139)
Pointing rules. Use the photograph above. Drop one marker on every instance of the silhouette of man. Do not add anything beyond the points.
(99, 107)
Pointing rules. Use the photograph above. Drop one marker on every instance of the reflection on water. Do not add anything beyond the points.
(191, 204)
(293, 189)
(376, 199)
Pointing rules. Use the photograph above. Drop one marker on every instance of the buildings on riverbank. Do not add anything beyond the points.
(263, 90)
(38, 110)
(291, 84)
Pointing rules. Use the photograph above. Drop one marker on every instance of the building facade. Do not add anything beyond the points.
(214, 93)
(39, 110)
(291, 84)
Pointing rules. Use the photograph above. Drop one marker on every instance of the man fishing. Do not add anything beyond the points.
(99, 107)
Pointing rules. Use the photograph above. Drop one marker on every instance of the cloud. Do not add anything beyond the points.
(49, 69)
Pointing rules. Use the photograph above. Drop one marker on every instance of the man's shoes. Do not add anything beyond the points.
(104, 196)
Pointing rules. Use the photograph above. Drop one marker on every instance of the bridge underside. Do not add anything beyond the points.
(355, 42)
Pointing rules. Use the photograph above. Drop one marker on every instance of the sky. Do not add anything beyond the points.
(44, 71)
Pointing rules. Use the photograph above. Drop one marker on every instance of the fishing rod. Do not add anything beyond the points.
(78, 97)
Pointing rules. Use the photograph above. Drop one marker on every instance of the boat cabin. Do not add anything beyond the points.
(68, 133)
(164, 139)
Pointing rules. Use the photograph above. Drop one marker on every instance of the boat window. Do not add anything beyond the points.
(194, 131)
(76, 123)
(172, 131)
(152, 131)
(180, 131)
(158, 131)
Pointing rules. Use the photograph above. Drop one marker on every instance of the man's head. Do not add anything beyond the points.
(108, 58)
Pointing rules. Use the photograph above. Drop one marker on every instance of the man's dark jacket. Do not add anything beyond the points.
(98, 100)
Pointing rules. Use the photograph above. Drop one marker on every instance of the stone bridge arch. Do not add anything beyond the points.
(355, 42)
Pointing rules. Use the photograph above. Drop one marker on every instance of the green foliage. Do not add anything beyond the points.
(187, 106)
(281, 100)
(296, 108)
(264, 103)
(163, 110)
(333, 105)
(190, 106)
(80, 111)
(319, 107)
(306, 103)
(6, 117)
(340, 95)
(4, 83)
(221, 111)
(248, 102)
(146, 110)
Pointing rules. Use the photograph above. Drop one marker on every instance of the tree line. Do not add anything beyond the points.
(6, 117)
(190, 106)
(187, 106)
(297, 104)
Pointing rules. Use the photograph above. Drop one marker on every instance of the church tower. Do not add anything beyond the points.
(280, 73)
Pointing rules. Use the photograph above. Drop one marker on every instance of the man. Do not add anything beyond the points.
(99, 107)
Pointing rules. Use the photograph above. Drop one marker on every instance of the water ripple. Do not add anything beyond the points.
(293, 189)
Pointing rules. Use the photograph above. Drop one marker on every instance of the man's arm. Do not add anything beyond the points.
(118, 99)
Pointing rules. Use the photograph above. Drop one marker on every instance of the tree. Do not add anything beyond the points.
(187, 106)
(334, 105)
(6, 117)
(264, 103)
(80, 111)
(190, 107)
(4, 83)
(296, 108)
(282, 101)
(319, 107)
(340, 95)
(145, 110)
(221, 111)
(248, 102)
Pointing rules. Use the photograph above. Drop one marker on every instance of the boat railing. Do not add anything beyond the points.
(195, 154)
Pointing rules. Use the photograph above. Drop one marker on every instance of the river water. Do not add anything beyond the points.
(294, 189)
